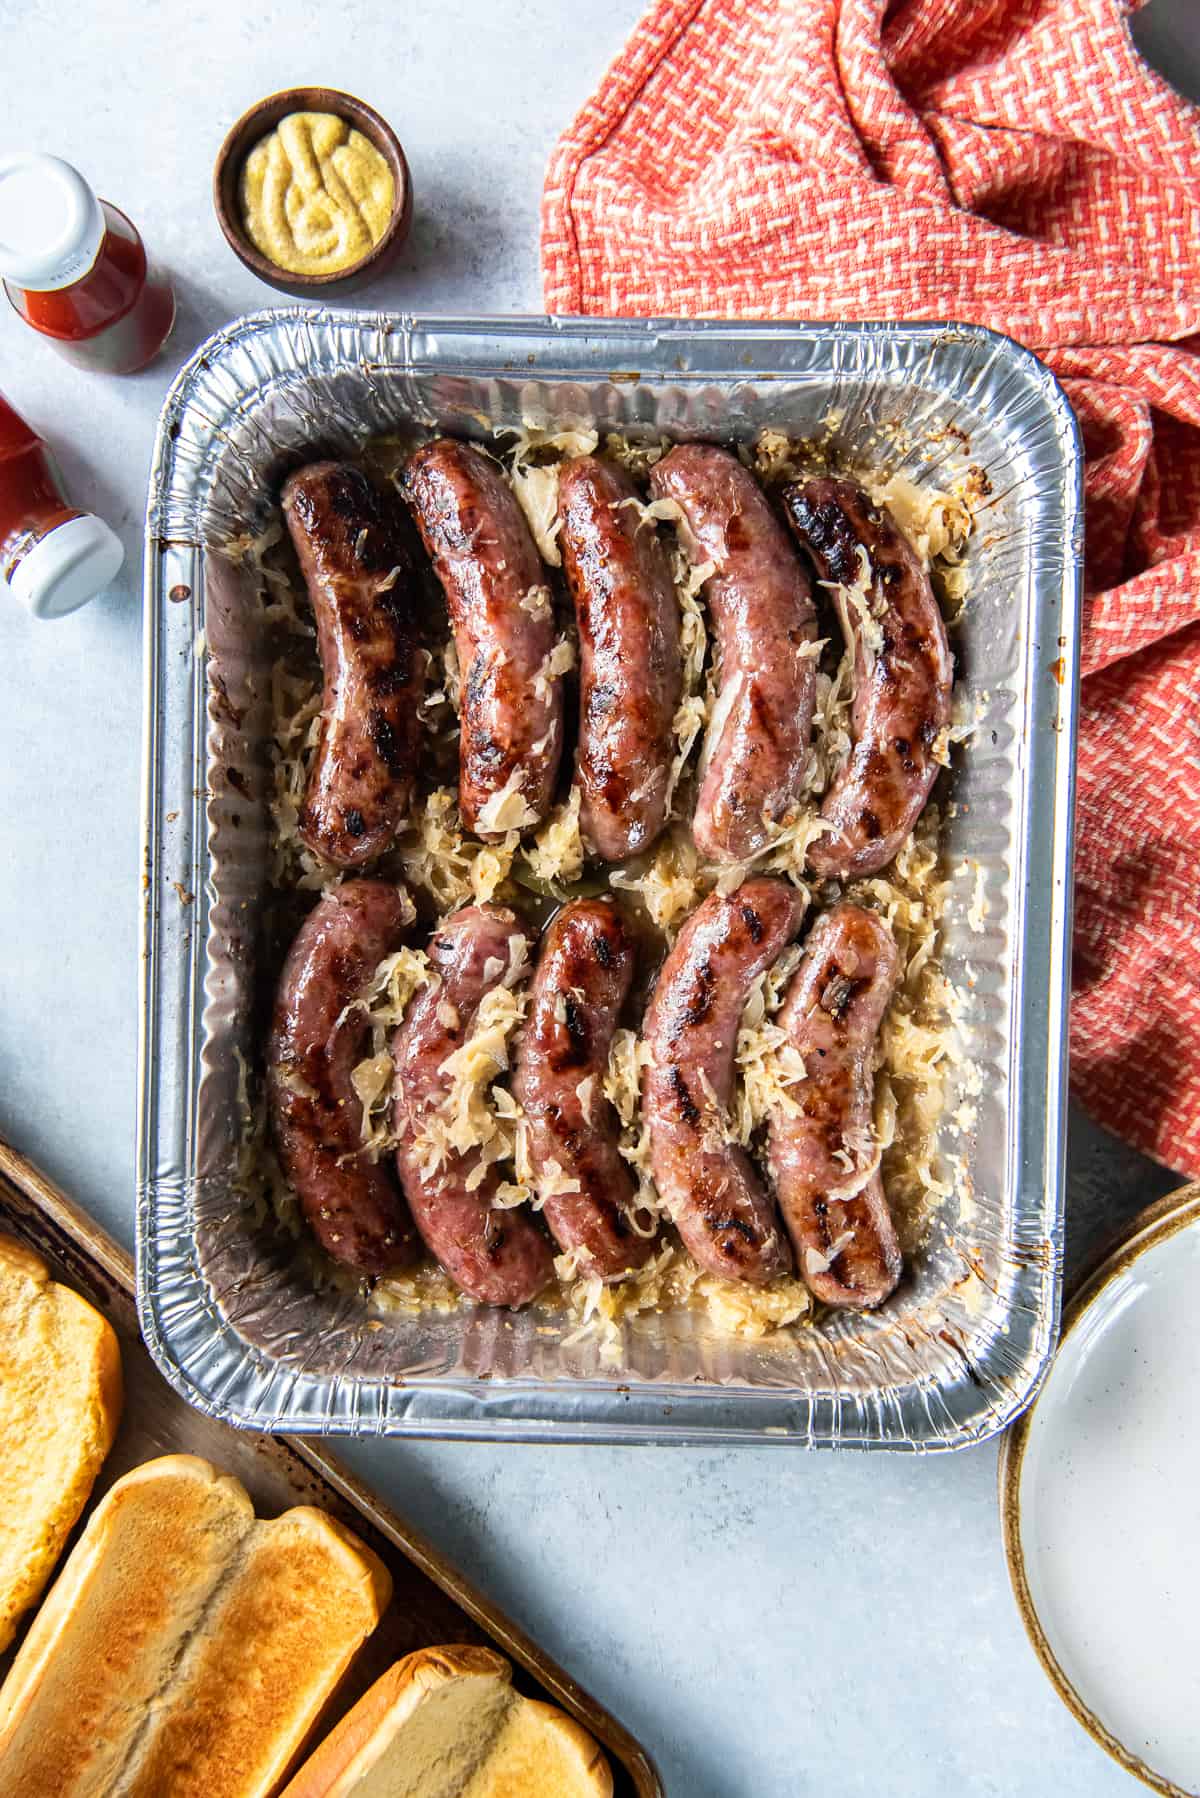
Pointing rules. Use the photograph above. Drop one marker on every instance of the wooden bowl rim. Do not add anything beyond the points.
(260, 119)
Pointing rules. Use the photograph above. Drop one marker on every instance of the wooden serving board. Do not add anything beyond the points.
(432, 1602)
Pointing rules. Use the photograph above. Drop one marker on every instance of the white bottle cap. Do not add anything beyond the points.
(51, 223)
(70, 565)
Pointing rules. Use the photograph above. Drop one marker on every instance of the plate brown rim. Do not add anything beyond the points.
(1156, 1224)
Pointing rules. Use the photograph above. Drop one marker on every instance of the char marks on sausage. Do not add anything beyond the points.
(510, 707)
(583, 977)
(825, 1162)
(630, 678)
(352, 543)
(708, 1184)
(352, 1205)
(903, 675)
(755, 760)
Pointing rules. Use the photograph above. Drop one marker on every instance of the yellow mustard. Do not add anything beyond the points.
(315, 194)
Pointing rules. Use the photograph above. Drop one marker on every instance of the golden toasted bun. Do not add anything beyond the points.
(185, 1648)
(446, 1723)
(60, 1404)
(542, 1753)
(435, 1701)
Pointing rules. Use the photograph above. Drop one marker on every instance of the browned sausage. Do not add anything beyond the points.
(583, 977)
(630, 674)
(902, 678)
(349, 537)
(353, 1206)
(510, 707)
(825, 1163)
(497, 1256)
(756, 752)
(708, 1185)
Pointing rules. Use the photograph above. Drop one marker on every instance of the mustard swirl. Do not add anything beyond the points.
(315, 194)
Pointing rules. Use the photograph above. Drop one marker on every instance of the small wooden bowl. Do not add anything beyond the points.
(250, 129)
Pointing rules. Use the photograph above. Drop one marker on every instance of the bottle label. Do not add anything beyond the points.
(79, 260)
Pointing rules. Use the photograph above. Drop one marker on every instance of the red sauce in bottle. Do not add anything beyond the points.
(32, 500)
(112, 311)
(52, 556)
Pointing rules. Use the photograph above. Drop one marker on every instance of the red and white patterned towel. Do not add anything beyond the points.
(1012, 162)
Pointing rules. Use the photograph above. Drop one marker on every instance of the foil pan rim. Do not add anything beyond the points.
(212, 399)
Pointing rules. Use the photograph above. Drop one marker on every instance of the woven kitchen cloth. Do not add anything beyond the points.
(1014, 163)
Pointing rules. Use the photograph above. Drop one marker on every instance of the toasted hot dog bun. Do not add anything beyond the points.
(186, 1647)
(60, 1404)
(446, 1723)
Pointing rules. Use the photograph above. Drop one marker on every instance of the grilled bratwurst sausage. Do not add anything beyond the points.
(837, 1214)
(352, 1206)
(903, 673)
(357, 566)
(583, 977)
(497, 1256)
(630, 675)
(709, 1188)
(510, 707)
(757, 748)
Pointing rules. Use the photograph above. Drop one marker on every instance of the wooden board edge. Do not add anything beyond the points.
(36, 1193)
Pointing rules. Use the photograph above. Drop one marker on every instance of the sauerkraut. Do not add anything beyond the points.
(695, 705)
(536, 453)
(438, 857)
(671, 1282)
(668, 881)
(555, 857)
(384, 1001)
(446, 867)
(769, 1068)
(477, 1115)
(295, 733)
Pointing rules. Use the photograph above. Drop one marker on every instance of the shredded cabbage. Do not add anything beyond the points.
(768, 1066)
(920, 1042)
(476, 1113)
(668, 882)
(638, 455)
(695, 705)
(384, 999)
(556, 856)
(669, 1283)
(453, 868)
(535, 483)
(937, 524)
(507, 808)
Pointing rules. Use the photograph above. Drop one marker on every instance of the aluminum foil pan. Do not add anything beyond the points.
(225, 1313)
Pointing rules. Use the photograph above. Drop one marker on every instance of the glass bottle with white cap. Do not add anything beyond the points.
(53, 557)
(75, 268)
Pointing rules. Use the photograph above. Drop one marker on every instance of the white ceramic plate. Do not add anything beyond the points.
(1100, 1498)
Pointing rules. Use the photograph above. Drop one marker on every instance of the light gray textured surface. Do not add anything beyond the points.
(767, 1624)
